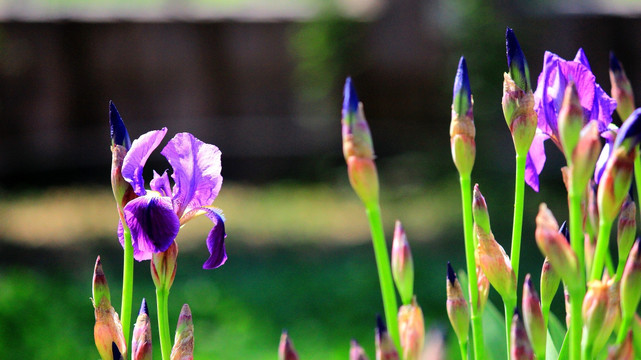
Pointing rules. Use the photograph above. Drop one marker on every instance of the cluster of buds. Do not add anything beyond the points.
(108, 333)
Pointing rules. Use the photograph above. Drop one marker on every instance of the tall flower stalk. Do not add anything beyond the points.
(463, 146)
(359, 156)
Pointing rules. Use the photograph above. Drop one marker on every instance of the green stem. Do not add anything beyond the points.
(576, 232)
(463, 348)
(601, 251)
(477, 325)
(162, 297)
(517, 224)
(623, 329)
(384, 270)
(509, 305)
(127, 283)
(576, 322)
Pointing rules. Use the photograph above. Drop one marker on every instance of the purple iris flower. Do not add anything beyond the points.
(548, 97)
(156, 215)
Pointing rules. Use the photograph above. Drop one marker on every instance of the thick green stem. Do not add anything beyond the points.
(162, 298)
(623, 329)
(463, 348)
(576, 232)
(384, 271)
(509, 305)
(477, 326)
(517, 223)
(601, 251)
(127, 284)
(576, 322)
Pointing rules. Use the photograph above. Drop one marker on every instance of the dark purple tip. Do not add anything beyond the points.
(517, 313)
(119, 134)
(630, 130)
(528, 281)
(516, 61)
(615, 65)
(380, 325)
(115, 351)
(350, 99)
(451, 276)
(565, 231)
(462, 94)
(143, 308)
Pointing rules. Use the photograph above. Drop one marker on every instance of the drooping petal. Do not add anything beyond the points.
(535, 161)
(161, 184)
(196, 172)
(153, 224)
(216, 241)
(137, 156)
(139, 255)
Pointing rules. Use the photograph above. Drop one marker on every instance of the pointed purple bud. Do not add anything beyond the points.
(141, 340)
(520, 348)
(119, 134)
(385, 349)
(457, 308)
(183, 348)
(462, 94)
(621, 88)
(516, 63)
(402, 264)
(143, 308)
(350, 99)
(286, 348)
(615, 65)
(356, 352)
(630, 132)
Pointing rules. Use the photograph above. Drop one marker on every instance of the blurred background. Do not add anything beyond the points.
(263, 81)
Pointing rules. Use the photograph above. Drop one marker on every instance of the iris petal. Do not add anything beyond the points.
(196, 172)
(137, 156)
(161, 184)
(139, 255)
(535, 161)
(152, 222)
(216, 242)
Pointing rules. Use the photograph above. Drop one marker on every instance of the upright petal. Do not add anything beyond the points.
(161, 184)
(581, 58)
(196, 172)
(137, 157)
(153, 224)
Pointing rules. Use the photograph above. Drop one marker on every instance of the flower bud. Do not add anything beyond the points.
(183, 348)
(163, 267)
(570, 121)
(495, 263)
(385, 349)
(358, 148)
(120, 144)
(108, 330)
(141, 342)
(520, 348)
(457, 309)
(411, 328)
(612, 316)
(517, 65)
(483, 284)
(462, 130)
(623, 351)
(402, 264)
(550, 281)
(356, 352)
(479, 210)
(556, 248)
(591, 212)
(631, 283)
(627, 228)
(584, 157)
(533, 318)
(621, 88)
(615, 183)
(594, 311)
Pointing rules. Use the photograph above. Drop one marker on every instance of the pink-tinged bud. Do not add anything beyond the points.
(555, 247)
(592, 211)
(108, 329)
(411, 328)
(584, 157)
(183, 348)
(570, 121)
(594, 311)
(533, 318)
(518, 109)
(286, 348)
(356, 352)
(621, 88)
(479, 210)
(402, 264)
(163, 267)
(457, 309)
(615, 183)
(434, 345)
(612, 316)
(630, 289)
(495, 263)
(520, 348)
(568, 306)
(358, 148)
(483, 284)
(623, 351)
(120, 144)
(627, 228)
(462, 130)
(550, 281)
(141, 341)
(385, 349)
